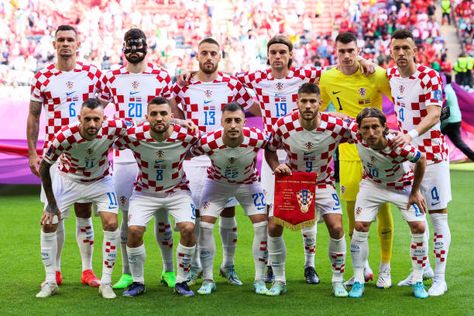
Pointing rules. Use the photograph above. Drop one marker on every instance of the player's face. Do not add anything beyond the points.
(90, 121)
(372, 131)
(208, 57)
(66, 43)
(233, 123)
(347, 53)
(135, 50)
(279, 56)
(308, 105)
(159, 116)
(403, 52)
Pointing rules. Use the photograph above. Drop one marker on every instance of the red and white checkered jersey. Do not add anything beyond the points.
(411, 97)
(202, 102)
(160, 163)
(277, 97)
(312, 151)
(389, 167)
(232, 164)
(131, 92)
(62, 94)
(84, 160)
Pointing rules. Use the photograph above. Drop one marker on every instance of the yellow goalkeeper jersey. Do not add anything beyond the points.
(350, 94)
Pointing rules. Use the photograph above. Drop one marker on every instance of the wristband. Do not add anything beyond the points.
(413, 133)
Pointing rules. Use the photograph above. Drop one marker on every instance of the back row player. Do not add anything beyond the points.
(61, 88)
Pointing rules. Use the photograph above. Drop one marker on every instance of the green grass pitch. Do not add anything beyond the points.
(23, 272)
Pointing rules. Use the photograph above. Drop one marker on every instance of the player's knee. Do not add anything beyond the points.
(417, 227)
(50, 228)
(134, 236)
(228, 212)
(335, 230)
(83, 210)
(274, 230)
(187, 232)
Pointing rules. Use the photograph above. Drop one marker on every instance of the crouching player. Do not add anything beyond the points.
(233, 152)
(310, 139)
(159, 147)
(84, 178)
(388, 177)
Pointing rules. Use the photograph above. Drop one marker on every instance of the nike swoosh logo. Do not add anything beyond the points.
(208, 101)
(261, 208)
(335, 92)
(399, 98)
(69, 93)
(433, 204)
(134, 92)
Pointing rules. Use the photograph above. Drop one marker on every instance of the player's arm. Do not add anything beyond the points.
(432, 117)
(415, 196)
(52, 208)
(255, 110)
(32, 131)
(367, 67)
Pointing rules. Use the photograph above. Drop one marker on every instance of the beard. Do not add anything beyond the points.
(207, 69)
(139, 57)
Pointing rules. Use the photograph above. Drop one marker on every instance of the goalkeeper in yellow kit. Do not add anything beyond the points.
(350, 91)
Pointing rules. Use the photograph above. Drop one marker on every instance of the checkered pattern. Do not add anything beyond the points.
(202, 102)
(87, 230)
(277, 97)
(338, 262)
(411, 97)
(232, 165)
(309, 248)
(111, 252)
(439, 251)
(62, 94)
(131, 92)
(388, 167)
(160, 163)
(311, 151)
(163, 229)
(418, 254)
(263, 247)
(84, 160)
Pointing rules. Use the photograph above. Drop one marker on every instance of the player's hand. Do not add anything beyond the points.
(282, 169)
(366, 67)
(400, 139)
(417, 199)
(34, 163)
(188, 124)
(185, 78)
(51, 216)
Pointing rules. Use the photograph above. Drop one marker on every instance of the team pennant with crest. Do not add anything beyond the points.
(294, 203)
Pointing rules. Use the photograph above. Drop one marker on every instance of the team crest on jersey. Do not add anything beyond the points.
(362, 92)
(373, 159)
(208, 93)
(279, 85)
(160, 154)
(135, 85)
(308, 145)
(70, 85)
(304, 197)
(89, 151)
(401, 89)
(231, 160)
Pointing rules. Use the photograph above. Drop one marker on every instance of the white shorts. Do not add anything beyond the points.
(216, 194)
(144, 205)
(125, 175)
(268, 178)
(327, 202)
(436, 186)
(372, 195)
(196, 172)
(101, 193)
